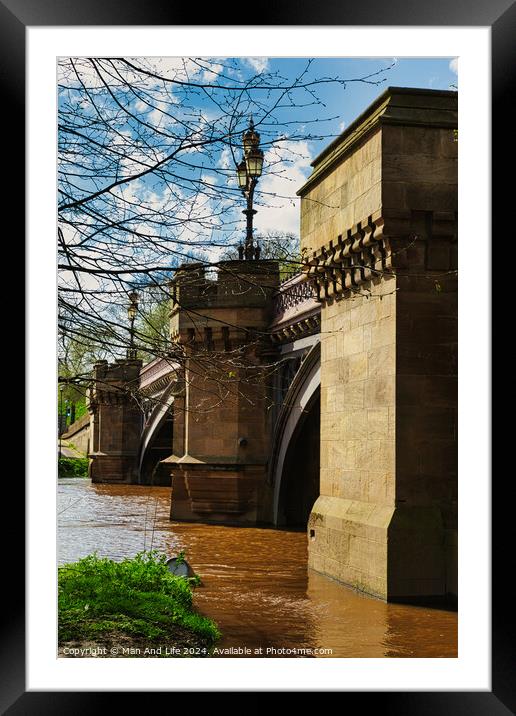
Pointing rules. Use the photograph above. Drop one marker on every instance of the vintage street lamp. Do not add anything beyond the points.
(248, 171)
(131, 314)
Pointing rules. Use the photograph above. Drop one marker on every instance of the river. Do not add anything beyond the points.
(255, 581)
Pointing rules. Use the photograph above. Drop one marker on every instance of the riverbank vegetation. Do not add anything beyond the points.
(135, 607)
(72, 467)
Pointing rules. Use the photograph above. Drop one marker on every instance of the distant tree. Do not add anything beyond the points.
(76, 356)
(281, 247)
(153, 324)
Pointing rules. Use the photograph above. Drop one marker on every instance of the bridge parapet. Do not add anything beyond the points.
(156, 375)
(294, 291)
(296, 309)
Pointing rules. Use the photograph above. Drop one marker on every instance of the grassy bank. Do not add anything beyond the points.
(130, 607)
(72, 467)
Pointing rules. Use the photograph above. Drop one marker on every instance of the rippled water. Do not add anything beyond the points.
(255, 581)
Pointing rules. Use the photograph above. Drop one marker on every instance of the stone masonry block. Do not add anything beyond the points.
(380, 391)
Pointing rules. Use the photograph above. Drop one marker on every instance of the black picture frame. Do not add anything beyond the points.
(500, 15)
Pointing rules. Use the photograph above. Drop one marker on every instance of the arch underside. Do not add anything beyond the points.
(156, 443)
(295, 455)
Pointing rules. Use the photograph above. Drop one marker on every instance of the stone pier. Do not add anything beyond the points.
(116, 421)
(379, 225)
(222, 430)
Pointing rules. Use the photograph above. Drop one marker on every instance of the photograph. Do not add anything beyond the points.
(257, 359)
(258, 413)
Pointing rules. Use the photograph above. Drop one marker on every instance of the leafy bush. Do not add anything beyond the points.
(72, 467)
(137, 597)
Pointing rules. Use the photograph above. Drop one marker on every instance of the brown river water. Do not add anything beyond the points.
(255, 581)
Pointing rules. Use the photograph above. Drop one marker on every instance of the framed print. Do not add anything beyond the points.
(223, 469)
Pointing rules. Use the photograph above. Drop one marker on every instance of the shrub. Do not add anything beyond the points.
(72, 467)
(138, 597)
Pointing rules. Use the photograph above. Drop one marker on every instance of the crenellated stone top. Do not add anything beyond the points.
(233, 283)
(113, 383)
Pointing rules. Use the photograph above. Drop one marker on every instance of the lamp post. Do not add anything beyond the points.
(60, 421)
(249, 171)
(131, 314)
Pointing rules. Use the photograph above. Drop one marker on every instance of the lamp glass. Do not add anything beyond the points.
(254, 161)
(242, 174)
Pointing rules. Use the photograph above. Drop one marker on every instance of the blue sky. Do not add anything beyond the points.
(344, 104)
(348, 103)
(292, 136)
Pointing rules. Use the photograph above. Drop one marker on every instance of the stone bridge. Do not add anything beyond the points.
(328, 400)
(144, 407)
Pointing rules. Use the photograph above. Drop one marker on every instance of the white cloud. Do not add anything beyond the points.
(208, 75)
(180, 68)
(259, 64)
(207, 179)
(278, 190)
(390, 61)
(72, 71)
(225, 159)
(454, 65)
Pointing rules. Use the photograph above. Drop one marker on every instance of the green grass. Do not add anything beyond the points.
(72, 467)
(138, 597)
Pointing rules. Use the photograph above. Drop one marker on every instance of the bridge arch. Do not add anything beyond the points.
(156, 439)
(297, 424)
